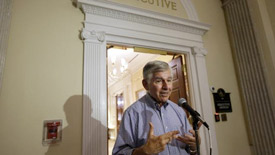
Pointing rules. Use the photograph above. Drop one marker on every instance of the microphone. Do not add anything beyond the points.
(183, 103)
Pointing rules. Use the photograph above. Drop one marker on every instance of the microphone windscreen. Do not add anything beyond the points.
(182, 101)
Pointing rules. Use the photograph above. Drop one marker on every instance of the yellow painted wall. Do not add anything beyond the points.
(137, 83)
(168, 7)
(231, 135)
(42, 78)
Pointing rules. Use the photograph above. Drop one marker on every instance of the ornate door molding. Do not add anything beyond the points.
(108, 22)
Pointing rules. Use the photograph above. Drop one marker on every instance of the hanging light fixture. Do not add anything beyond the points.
(117, 65)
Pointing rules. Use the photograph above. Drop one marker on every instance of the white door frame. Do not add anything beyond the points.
(108, 22)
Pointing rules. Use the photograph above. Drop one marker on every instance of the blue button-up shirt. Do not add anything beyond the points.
(134, 127)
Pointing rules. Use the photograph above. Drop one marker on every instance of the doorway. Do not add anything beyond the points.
(125, 66)
(110, 23)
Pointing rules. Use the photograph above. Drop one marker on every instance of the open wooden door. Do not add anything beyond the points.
(179, 86)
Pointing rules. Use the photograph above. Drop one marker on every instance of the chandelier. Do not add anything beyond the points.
(123, 66)
(117, 63)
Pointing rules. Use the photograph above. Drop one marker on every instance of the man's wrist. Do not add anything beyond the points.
(139, 151)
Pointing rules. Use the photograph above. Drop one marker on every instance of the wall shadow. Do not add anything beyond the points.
(71, 143)
(72, 133)
(92, 144)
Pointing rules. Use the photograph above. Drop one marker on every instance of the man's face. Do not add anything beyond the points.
(160, 86)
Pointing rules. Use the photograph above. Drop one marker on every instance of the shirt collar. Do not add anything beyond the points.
(152, 102)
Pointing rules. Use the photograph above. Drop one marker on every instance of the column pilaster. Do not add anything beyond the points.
(94, 93)
(203, 102)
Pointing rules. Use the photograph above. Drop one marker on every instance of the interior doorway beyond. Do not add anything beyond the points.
(125, 66)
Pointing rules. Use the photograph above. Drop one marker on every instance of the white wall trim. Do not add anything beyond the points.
(201, 96)
(188, 27)
(135, 27)
(94, 93)
(113, 10)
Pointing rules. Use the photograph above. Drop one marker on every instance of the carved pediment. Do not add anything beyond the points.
(131, 14)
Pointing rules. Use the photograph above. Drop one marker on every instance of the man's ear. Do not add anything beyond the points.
(145, 84)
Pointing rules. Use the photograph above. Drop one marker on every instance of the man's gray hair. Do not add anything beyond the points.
(154, 66)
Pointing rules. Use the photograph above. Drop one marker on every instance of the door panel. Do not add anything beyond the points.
(179, 89)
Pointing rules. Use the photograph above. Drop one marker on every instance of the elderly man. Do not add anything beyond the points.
(154, 124)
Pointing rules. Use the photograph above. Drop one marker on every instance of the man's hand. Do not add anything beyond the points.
(155, 144)
(189, 139)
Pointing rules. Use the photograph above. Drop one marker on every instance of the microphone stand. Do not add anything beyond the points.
(195, 128)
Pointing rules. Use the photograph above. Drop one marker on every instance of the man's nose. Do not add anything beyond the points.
(165, 85)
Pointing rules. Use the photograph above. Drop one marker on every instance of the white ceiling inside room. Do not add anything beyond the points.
(123, 61)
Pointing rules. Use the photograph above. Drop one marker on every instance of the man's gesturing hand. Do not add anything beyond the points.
(189, 140)
(155, 144)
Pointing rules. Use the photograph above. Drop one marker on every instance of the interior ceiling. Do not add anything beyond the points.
(135, 62)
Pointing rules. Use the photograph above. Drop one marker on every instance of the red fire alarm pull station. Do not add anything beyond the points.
(52, 131)
(52, 128)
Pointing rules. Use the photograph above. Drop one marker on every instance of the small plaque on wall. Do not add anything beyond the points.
(222, 101)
